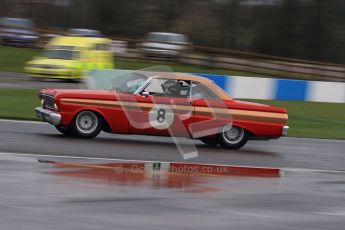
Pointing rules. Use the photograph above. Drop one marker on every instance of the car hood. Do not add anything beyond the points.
(83, 94)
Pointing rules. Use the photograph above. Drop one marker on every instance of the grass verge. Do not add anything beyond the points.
(306, 119)
(18, 103)
(313, 119)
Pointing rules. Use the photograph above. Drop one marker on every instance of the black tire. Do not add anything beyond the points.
(210, 141)
(232, 137)
(64, 130)
(86, 124)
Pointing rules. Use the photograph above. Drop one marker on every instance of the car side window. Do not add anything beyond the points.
(198, 91)
(168, 88)
(106, 47)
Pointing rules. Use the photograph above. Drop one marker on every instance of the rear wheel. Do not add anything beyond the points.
(87, 124)
(232, 137)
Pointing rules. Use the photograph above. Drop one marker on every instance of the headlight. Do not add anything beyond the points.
(56, 107)
(52, 66)
(42, 102)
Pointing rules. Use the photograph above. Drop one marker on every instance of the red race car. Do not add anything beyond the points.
(163, 105)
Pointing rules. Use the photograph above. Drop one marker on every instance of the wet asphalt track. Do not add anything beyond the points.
(42, 138)
(35, 196)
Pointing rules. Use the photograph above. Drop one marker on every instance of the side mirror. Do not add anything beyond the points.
(145, 94)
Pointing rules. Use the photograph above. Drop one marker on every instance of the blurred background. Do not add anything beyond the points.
(306, 29)
(286, 53)
(248, 47)
(255, 36)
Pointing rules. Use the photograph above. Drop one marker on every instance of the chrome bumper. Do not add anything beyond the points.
(48, 116)
(285, 130)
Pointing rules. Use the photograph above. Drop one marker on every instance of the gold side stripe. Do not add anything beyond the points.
(126, 104)
(235, 114)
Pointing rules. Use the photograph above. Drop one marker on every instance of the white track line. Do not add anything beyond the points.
(306, 170)
(69, 157)
(283, 170)
(23, 121)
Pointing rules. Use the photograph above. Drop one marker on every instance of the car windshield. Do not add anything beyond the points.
(61, 54)
(128, 83)
(17, 22)
(84, 32)
(156, 37)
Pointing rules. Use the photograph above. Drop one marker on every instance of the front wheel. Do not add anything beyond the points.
(212, 142)
(87, 124)
(64, 130)
(232, 137)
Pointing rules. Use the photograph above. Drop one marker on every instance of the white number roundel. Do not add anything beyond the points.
(161, 117)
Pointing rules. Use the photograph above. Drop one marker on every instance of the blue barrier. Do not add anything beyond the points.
(280, 89)
(290, 90)
(251, 87)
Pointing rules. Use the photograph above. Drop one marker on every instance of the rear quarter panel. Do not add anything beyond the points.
(259, 120)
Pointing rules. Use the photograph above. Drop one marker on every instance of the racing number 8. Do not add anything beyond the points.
(161, 115)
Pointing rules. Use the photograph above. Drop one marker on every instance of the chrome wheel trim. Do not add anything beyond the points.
(232, 134)
(86, 122)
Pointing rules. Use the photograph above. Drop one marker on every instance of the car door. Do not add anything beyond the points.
(163, 108)
(210, 112)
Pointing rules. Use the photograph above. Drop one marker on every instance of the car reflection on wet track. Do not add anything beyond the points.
(136, 174)
(89, 195)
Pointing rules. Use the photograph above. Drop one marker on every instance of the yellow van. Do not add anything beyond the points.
(68, 57)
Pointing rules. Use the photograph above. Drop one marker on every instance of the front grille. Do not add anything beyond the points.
(46, 66)
(48, 102)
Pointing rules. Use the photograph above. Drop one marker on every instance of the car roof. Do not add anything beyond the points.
(4, 20)
(166, 33)
(18, 19)
(188, 77)
(84, 30)
(77, 41)
(179, 76)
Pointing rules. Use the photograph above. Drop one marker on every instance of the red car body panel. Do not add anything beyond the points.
(129, 113)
